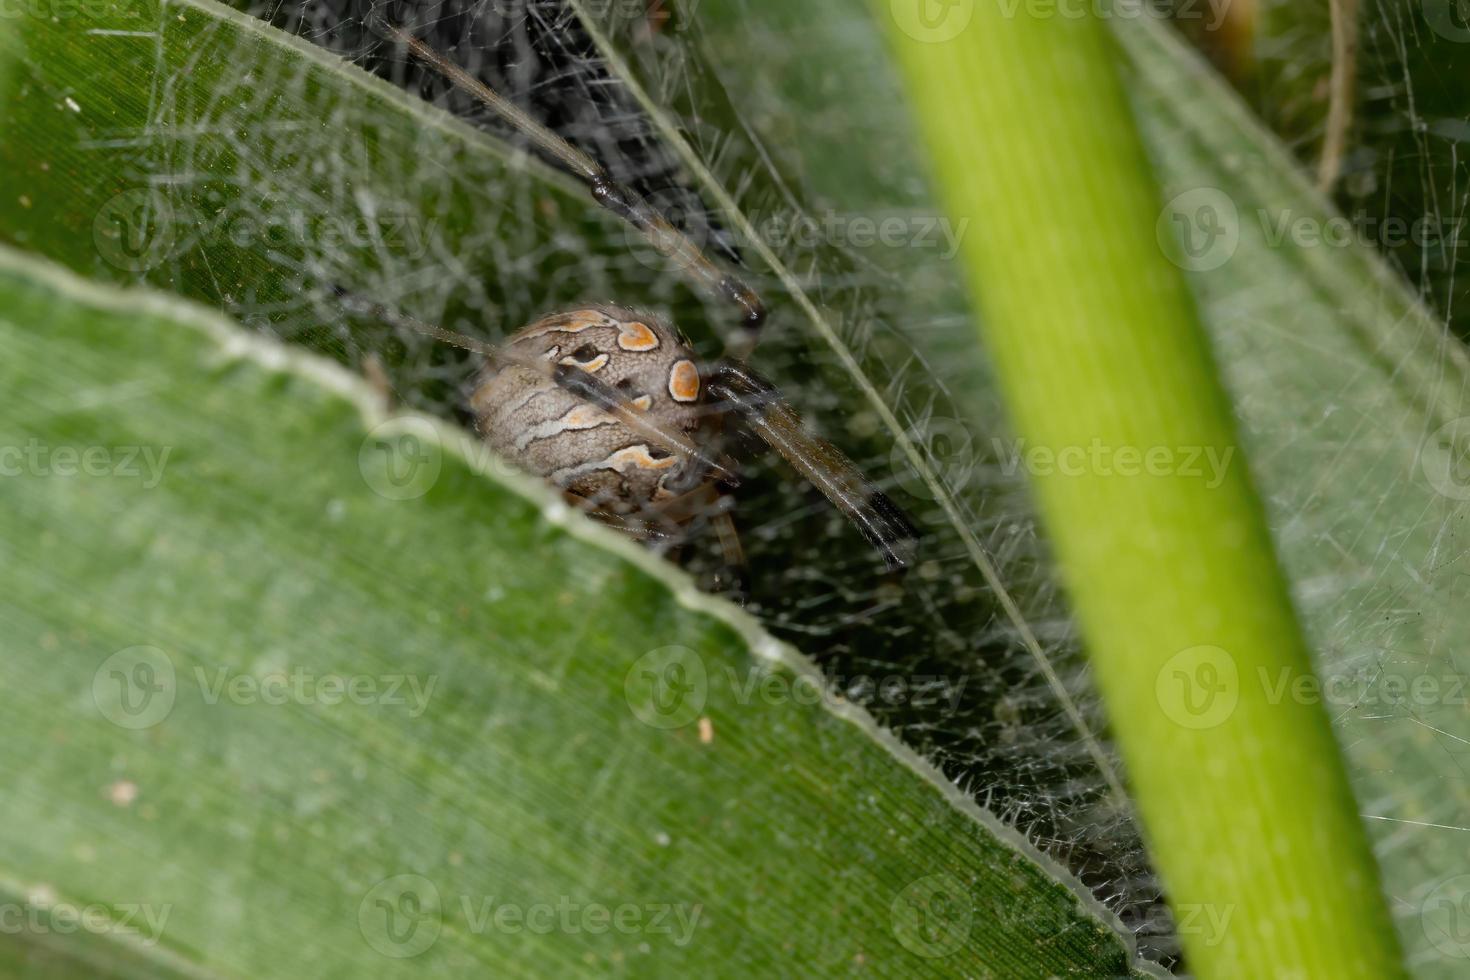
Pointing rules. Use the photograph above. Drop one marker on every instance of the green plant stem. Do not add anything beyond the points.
(1171, 569)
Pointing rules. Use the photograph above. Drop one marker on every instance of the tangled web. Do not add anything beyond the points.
(812, 188)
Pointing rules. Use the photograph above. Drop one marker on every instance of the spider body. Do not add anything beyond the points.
(560, 435)
(611, 405)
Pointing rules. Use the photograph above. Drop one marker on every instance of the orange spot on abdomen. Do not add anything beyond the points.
(684, 381)
(637, 336)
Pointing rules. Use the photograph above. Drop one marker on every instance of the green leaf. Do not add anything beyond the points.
(287, 682)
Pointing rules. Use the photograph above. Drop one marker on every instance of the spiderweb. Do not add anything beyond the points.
(970, 657)
(997, 697)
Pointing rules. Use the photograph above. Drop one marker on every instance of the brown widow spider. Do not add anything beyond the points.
(611, 405)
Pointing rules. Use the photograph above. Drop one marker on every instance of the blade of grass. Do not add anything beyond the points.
(1244, 798)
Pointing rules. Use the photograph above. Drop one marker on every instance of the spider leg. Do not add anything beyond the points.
(732, 579)
(653, 527)
(709, 500)
(880, 520)
(618, 198)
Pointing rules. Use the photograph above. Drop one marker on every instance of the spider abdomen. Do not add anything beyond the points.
(527, 417)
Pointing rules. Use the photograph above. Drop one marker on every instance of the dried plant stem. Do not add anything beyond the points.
(1340, 91)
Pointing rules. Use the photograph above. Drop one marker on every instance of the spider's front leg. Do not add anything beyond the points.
(735, 387)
